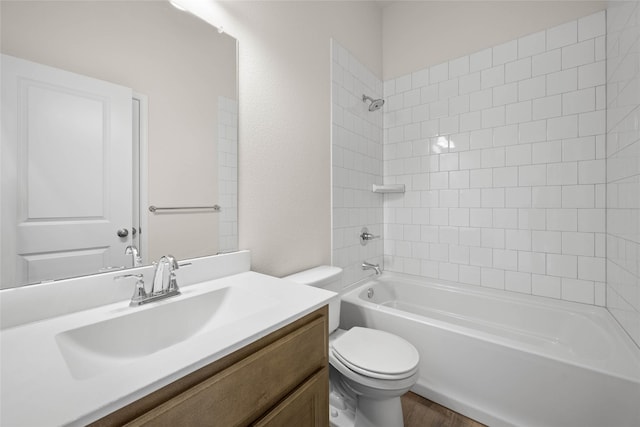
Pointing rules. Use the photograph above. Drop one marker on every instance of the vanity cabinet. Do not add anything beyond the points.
(279, 380)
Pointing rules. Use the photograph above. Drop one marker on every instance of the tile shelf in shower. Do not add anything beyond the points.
(390, 188)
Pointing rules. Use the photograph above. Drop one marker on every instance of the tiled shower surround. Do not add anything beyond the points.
(356, 151)
(503, 156)
(520, 174)
(623, 165)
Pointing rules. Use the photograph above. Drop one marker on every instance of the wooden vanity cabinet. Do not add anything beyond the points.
(280, 380)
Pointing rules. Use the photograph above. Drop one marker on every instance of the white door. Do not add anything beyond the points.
(66, 173)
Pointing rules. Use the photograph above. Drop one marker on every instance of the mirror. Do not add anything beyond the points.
(178, 78)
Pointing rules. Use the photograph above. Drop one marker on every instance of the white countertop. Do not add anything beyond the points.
(39, 389)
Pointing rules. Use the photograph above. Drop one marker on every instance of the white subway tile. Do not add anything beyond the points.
(505, 177)
(517, 282)
(439, 109)
(492, 278)
(532, 44)
(480, 217)
(447, 89)
(532, 219)
(470, 159)
(592, 172)
(578, 149)
(449, 125)
(481, 139)
(459, 67)
(505, 52)
(469, 198)
(492, 157)
(492, 77)
(546, 241)
(562, 127)
(459, 217)
(594, 74)
(592, 123)
(481, 178)
(532, 262)
(403, 83)
(578, 291)
(546, 286)
(518, 113)
(469, 274)
(519, 240)
(518, 155)
(601, 48)
(578, 196)
(492, 197)
(565, 173)
(533, 131)
(578, 244)
(505, 135)
(518, 70)
(429, 94)
(545, 108)
(547, 62)
(505, 218)
(430, 128)
(505, 94)
(470, 121)
(562, 35)
(459, 179)
(439, 180)
(532, 88)
(411, 98)
(562, 81)
(481, 100)
(547, 197)
(592, 26)
(459, 104)
(469, 83)
(547, 152)
(492, 238)
(438, 73)
(562, 219)
(419, 79)
(562, 265)
(579, 101)
(480, 60)
(482, 257)
(578, 54)
(591, 268)
(532, 175)
(591, 220)
(505, 259)
(518, 197)
(493, 117)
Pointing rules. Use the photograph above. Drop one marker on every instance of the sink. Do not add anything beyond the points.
(138, 332)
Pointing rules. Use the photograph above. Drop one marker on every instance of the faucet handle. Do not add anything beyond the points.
(139, 293)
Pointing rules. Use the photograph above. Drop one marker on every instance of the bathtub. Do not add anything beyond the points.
(505, 358)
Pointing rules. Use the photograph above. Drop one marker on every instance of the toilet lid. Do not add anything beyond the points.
(376, 354)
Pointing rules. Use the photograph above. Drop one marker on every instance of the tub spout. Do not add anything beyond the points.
(368, 266)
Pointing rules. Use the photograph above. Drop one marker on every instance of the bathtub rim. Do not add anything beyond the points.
(351, 294)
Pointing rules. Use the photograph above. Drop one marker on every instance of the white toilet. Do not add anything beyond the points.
(370, 369)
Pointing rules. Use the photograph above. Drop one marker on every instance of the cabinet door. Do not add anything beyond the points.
(308, 406)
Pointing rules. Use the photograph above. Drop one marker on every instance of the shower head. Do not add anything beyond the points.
(376, 104)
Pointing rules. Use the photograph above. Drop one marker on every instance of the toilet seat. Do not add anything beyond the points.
(376, 354)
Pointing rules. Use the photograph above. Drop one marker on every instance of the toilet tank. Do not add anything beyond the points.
(325, 277)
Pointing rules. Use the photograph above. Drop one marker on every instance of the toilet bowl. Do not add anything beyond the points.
(370, 369)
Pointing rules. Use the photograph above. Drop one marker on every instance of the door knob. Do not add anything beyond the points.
(123, 232)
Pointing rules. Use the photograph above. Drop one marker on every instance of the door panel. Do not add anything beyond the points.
(66, 173)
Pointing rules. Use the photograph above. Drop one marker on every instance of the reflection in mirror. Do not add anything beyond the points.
(109, 108)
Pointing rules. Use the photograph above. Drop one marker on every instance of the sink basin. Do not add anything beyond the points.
(141, 331)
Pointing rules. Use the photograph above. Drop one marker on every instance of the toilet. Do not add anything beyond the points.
(369, 369)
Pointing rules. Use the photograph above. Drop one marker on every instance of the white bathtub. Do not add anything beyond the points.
(506, 358)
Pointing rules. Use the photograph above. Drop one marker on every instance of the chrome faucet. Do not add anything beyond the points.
(160, 288)
(133, 251)
(368, 266)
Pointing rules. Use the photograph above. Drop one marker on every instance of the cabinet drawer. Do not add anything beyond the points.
(243, 392)
(308, 406)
